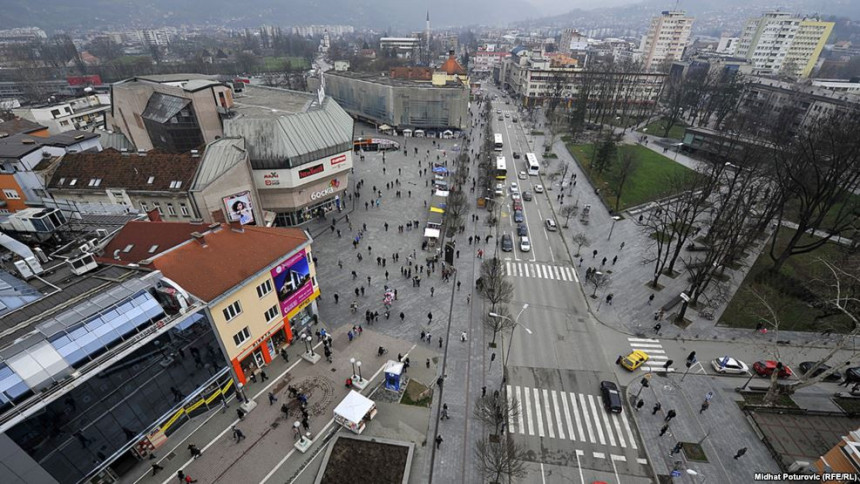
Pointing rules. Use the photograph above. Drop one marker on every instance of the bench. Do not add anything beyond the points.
(672, 303)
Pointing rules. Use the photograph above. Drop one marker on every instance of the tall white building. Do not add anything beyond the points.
(779, 42)
(666, 38)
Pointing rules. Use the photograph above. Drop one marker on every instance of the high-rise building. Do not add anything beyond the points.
(780, 42)
(666, 39)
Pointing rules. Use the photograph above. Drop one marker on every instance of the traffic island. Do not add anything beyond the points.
(694, 452)
(361, 460)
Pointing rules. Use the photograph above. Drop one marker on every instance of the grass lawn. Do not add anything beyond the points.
(850, 405)
(785, 291)
(646, 183)
(280, 63)
(656, 128)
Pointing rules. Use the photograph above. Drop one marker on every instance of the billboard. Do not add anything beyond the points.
(239, 208)
(293, 281)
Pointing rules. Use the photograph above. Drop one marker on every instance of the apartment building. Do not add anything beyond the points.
(782, 43)
(79, 114)
(666, 39)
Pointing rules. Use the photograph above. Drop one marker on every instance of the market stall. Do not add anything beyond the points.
(354, 411)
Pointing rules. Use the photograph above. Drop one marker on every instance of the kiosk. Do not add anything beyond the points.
(393, 371)
(354, 411)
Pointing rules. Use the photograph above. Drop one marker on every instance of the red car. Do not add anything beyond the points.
(518, 205)
(766, 368)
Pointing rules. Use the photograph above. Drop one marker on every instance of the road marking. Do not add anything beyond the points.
(609, 433)
(559, 273)
(643, 340)
(598, 455)
(642, 461)
(507, 267)
(618, 457)
(617, 421)
(549, 424)
(570, 433)
(629, 431)
(584, 408)
(538, 414)
(557, 415)
(599, 428)
(528, 401)
(512, 426)
(576, 416)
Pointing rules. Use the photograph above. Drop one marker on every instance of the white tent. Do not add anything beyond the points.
(432, 233)
(352, 411)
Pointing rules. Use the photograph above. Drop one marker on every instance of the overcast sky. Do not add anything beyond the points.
(553, 7)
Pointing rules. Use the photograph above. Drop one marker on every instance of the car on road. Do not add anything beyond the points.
(522, 229)
(518, 216)
(729, 365)
(501, 118)
(513, 120)
(516, 197)
(807, 365)
(515, 188)
(527, 196)
(518, 204)
(507, 243)
(538, 188)
(611, 397)
(498, 111)
(853, 374)
(525, 245)
(522, 176)
(634, 360)
(516, 155)
(767, 367)
(507, 115)
(550, 225)
(500, 189)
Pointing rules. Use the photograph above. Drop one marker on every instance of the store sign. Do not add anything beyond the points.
(293, 281)
(338, 160)
(272, 179)
(306, 172)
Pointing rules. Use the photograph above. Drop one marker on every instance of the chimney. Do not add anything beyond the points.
(199, 238)
(237, 226)
(153, 215)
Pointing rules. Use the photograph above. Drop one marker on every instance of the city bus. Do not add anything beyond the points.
(375, 144)
(497, 142)
(534, 166)
(501, 168)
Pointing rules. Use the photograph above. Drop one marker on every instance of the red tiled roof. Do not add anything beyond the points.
(228, 258)
(131, 172)
(139, 237)
(451, 66)
(20, 125)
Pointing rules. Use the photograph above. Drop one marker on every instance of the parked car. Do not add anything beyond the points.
(525, 245)
(527, 196)
(853, 374)
(611, 397)
(500, 189)
(550, 225)
(522, 176)
(634, 360)
(538, 188)
(729, 365)
(807, 365)
(522, 229)
(507, 243)
(518, 216)
(507, 115)
(766, 368)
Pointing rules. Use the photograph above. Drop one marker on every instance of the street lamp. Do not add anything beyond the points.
(352, 361)
(310, 344)
(358, 364)
(510, 343)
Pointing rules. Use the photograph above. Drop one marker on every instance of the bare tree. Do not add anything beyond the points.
(494, 284)
(597, 280)
(580, 239)
(506, 458)
(627, 166)
(496, 410)
(568, 211)
(503, 322)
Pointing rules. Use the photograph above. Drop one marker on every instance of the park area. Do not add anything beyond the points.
(658, 128)
(794, 291)
(645, 184)
(274, 64)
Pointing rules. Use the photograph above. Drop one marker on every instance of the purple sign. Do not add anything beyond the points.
(293, 282)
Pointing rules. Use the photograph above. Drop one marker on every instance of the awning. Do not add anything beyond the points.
(437, 210)
(435, 219)
(440, 169)
(354, 407)
(441, 193)
(432, 233)
(384, 127)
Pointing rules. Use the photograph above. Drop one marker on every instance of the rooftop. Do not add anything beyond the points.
(382, 79)
(154, 171)
(261, 101)
(19, 125)
(141, 239)
(219, 156)
(19, 145)
(200, 267)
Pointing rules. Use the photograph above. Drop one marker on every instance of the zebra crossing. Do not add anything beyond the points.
(540, 271)
(557, 414)
(656, 354)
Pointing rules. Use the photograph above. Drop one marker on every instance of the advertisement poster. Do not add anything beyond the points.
(293, 282)
(239, 208)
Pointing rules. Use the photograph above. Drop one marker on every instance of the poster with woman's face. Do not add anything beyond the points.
(239, 208)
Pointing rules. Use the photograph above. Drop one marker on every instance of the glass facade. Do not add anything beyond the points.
(306, 214)
(101, 419)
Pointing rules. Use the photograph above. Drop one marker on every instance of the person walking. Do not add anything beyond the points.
(440, 341)
(663, 429)
(705, 406)
(238, 434)
(670, 415)
(429, 317)
(156, 468)
(614, 260)
(438, 441)
(432, 291)
(444, 412)
(285, 409)
(656, 408)
(657, 328)
(640, 404)
(306, 424)
(402, 316)
(240, 413)
(740, 453)
(463, 336)
(272, 398)
(195, 452)
(676, 449)
(650, 299)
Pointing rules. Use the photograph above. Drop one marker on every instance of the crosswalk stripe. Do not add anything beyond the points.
(512, 426)
(557, 414)
(538, 415)
(608, 428)
(526, 271)
(646, 345)
(520, 413)
(655, 368)
(528, 402)
(643, 340)
(549, 425)
(558, 272)
(617, 421)
(563, 274)
(584, 408)
(508, 268)
(629, 432)
(563, 397)
(596, 420)
(549, 274)
(576, 416)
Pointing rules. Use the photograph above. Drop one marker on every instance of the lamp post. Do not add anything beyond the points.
(510, 343)
(310, 344)
(615, 218)
(352, 362)
(358, 364)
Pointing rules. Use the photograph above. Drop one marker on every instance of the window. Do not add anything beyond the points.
(175, 184)
(153, 249)
(232, 311)
(264, 288)
(272, 313)
(170, 209)
(241, 336)
(55, 112)
(11, 194)
(62, 180)
(158, 207)
(150, 180)
(73, 182)
(183, 209)
(144, 207)
(128, 248)
(94, 182)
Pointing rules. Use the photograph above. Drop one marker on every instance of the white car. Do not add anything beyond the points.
(729, 365)
(515, 196)
(538, 188)
(525, 245)
(500, 189)
(523, 176)
(550, 225)
(515, 188)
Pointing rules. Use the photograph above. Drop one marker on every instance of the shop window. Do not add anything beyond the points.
(232, 311)
(272, 313)
(264, 288)
(242, 336)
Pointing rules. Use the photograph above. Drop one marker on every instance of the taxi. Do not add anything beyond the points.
(634, 360)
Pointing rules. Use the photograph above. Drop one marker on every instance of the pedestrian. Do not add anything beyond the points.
(432, 291)
(640, 404)
(399, 357)
(350, 335)
(740, 453)
(580, 261)
(663, 429)
(263, 375)
(705, 406)
(618, 360)
(458, 285)
(463, 336)
(306, 424)
(402, 316)
(438, 441)
(676, 449)
(656, 408)
(622, 246)
(429, 317)
(429, 338)
(440, 341)
(285, 409)
(156, 468)
(609, 298)
(670, 415)
(272, 398)
(336, 298)
(428, 362)
(423, 335)
(603, 262)
(238, 434)
(657, 328)
(240, 413)
(483, 391)
(650, 298)
(444, 412)
(594, 254)
(614, 260)
(195, 452)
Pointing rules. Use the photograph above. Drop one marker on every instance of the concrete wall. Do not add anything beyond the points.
(235, 180)
(17, 467)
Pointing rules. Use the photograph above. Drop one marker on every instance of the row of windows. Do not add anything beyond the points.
(264, 288)
(232, 311)
(171, 210)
